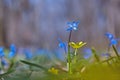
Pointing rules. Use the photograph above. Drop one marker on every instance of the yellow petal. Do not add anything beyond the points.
(72, 44)
(80, 43)
(77, 45)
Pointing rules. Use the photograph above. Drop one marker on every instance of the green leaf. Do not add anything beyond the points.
(33, 64)
(95, 54)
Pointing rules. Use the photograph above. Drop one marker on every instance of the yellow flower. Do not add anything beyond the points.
(77, 45)
(53, 70)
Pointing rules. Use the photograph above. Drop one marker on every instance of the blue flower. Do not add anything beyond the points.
(1, 51)
(62, 44)
(73, 25)
(112, 40)
(12, 51)
(28, 54)
(87, 53)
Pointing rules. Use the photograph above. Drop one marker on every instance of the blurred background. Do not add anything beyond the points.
(39, 23)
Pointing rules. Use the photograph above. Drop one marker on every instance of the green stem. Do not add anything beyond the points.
(75, 56)
(69, 56)
(116, 52)
(95, 54)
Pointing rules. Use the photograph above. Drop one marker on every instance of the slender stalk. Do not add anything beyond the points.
(75, 56)
(116, 52)
(95, 54)
(69, 56)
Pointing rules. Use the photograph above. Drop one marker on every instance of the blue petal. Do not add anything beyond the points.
(13, 48)
(69, 24)
(62, 44)
(76, 23)
(70, 29)
(113, 42)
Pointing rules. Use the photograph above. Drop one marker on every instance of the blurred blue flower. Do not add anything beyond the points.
(28, 54)
(112, 40)
(1, 51)
(105, 55)
(11, 54)
(62, 44)
(73, 25)
(13, 48)
(87, 53)
(4, 62)
(12, 51)
(59, 54)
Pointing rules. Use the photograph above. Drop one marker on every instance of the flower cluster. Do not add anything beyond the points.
(71, 26)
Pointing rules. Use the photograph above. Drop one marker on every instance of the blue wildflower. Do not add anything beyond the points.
(28, 54)
(73, 25)
(12, 51)
(62, 44)
(87, 53)
(1, 51)
(112, 40)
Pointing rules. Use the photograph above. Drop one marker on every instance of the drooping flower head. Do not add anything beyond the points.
(12, 51)
(109, 35)
(62, 44)
(73, 25)
(77, 45)
(112, 39)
